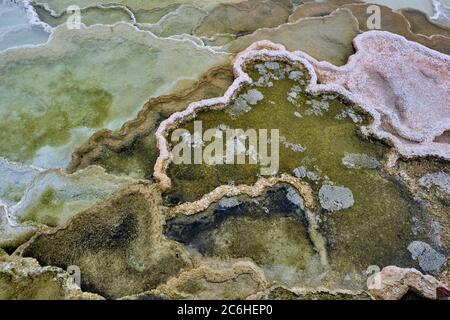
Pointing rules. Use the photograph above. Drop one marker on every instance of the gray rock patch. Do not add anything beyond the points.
(438, 179)
(253, 96)
(295, 75)
(429, 259)
(229, 202)
(335, 198)
(302, 172)
(272, 65)
(358, 161)
(293, 196)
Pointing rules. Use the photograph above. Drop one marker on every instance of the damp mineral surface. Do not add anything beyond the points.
(320, 143)
(361, 184)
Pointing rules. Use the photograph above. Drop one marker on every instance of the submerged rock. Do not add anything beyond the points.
(271, 65)
(317, 107)
(216, 280)
(358, 161)
(300, 172)
(335, 198)
(429, 259)
(253, 96)
(303, 172)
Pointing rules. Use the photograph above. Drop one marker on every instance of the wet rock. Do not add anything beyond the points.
(358, 161)
(229, 202)
(17, 29)
(293, 196)
(439, 179)
(335, 198)
(238, 108)
(326, 38)
(300, 172)
(269, 229)
(253, 96)
(295, 75)
(429, 259)
(242, 17)
(272, 65)
(317, 107)
(53, 197)
(417, 113)
(132, 150)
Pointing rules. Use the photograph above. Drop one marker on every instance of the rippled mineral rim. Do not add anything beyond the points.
(32, 16)
(102, 6)
(267, 50)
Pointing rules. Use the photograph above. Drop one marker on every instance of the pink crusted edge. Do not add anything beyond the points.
(267, 50)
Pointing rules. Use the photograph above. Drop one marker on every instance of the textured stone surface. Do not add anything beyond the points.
(429, 259)
(392, 283)
(335, 198)
(439, 179)
(358, 161)
(24, 278)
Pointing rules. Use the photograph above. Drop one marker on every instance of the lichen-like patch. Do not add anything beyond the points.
(118, 246)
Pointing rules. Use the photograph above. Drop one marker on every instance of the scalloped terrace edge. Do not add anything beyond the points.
(268, 51)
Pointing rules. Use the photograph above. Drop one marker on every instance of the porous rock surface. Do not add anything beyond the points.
(392, 283)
